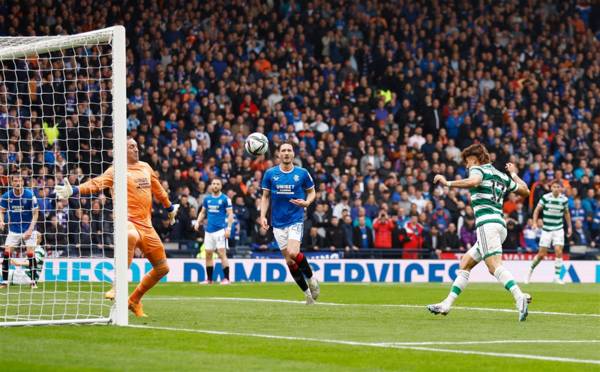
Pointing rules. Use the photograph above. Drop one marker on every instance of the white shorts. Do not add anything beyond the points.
(19, 277)
(16, 239)
(554, 238)
(489, 241)
(292, 232)
(215, 240)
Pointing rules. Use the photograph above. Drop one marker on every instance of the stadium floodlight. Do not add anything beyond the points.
(63, 114)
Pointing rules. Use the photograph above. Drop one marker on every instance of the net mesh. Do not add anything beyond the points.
(55, 122)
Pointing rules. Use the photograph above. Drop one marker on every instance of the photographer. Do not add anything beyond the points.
(383, 227)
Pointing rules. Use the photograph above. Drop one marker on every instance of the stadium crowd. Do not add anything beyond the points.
(378, 95)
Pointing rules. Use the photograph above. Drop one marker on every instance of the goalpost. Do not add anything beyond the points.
(63, 114)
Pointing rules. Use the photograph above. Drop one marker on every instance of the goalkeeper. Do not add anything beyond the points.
(142, 184)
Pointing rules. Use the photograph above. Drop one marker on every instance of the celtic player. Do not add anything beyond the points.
(487, 186)
(553, 205)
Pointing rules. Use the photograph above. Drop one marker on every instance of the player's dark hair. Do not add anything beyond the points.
(477, 150)
(288, 142)
(555, 181)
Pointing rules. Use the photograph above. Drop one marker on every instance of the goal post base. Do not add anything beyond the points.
(55, 322)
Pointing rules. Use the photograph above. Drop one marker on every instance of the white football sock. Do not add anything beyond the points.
(459, 285)
(508, 281)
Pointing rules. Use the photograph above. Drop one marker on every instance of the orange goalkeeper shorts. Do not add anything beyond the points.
(149, 242)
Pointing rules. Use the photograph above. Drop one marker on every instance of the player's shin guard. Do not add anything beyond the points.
(5, 263)
(226, 272)
(459, 285)
(149, 281)
(209, 273)
(558, 264)
(298, 277)
(508, 281)
(303, 265)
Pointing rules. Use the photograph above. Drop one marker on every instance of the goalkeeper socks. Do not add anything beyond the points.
(558, 264)
(536, 261)
(303, 265)
(459, 285)
(5, 263)
(298, 277)
(508, 281)
(209, 273)
(149, 281)
(226, 272)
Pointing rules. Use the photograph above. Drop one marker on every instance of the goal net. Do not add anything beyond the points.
(63, 114)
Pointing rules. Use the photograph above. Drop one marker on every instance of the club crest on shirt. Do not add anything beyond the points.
(296, 178)
(275, 178)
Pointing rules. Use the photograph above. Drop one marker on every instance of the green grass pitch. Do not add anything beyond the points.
(260, 327)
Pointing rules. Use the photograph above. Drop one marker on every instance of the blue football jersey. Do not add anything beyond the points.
(283, 187)
(216, 211)
(18, 210)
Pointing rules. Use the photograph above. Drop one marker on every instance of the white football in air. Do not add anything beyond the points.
(256, 144)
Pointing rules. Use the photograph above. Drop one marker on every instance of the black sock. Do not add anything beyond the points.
(303, 265)
(226, 272)
(36, 270)
(5, 262)
(298, 277)
(209, 273)
(31, 267)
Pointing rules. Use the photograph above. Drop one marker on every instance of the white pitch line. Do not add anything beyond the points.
(410, 306)
(371, 344)
(490, 342)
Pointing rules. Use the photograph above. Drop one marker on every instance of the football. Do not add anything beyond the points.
(256, 144)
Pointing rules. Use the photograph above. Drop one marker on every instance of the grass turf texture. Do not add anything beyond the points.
(187, 306)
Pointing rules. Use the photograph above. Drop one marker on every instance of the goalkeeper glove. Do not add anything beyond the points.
(65, 190)
(173, 209)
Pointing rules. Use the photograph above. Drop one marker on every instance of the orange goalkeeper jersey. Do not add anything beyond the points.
(142, 183)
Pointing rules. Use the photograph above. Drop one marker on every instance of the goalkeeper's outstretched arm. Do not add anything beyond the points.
(93, 186)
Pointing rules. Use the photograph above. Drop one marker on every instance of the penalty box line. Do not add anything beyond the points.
(410, 306)
(408, 346)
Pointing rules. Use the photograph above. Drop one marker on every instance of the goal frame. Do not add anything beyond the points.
(116, 36)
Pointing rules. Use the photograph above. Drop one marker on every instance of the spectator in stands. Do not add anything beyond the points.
(432, 243)
(242, 215)
(313, 241)
(450, 240)
(578, 213)
(595, 230)
(414, 237)
(581, 235)
(347, 230)
(441, 216)
(55, 235)
(362, 235)
(531, 236)
(335, 238)
(382, 229)
(514, 236)
(468, 235)
(261, 239)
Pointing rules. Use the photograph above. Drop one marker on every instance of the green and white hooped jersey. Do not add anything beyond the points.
(553, 209)
(487, 199)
